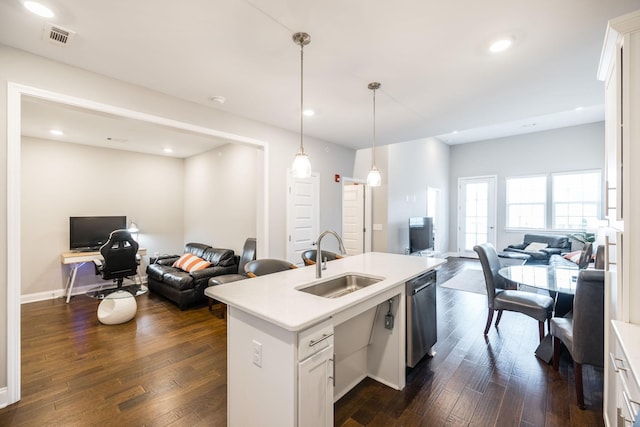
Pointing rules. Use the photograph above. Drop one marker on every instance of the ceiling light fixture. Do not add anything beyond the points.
(374, 179)
(168, 150)
(301, 165)
(500, 45)
(56, 132)
(309, 112)
(39, 9)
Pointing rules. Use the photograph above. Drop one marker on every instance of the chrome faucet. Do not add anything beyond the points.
(319, 252)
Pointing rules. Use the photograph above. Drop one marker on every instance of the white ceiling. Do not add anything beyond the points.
(88, 127)
(430, 56)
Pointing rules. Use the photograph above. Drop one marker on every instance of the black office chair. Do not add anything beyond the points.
(582, 333)
(120, 257)
(309, 256)
(539, 307)
(262, 267)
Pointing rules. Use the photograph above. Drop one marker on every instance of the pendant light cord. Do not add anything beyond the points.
(301, 96)
(373, 154)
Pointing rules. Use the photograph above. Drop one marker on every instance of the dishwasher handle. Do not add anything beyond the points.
(425, 285)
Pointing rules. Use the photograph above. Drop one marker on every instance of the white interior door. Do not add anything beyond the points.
(353, 221)
(303, 214)
(476, 213)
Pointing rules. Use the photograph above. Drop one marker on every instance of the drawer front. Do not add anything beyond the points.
(315, 339)
(627, 391)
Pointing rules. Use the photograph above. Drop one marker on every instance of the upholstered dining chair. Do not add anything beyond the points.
(539, 307)
(248, 254)
(309, 256)
(585, 255)
(582, 332)
(262, 267)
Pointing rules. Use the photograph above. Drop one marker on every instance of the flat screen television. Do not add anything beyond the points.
(88, 233)
(420, 234)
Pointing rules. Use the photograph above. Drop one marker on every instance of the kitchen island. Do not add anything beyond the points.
(291, 354)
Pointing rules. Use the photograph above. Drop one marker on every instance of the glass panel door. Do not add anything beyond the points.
(477, 213)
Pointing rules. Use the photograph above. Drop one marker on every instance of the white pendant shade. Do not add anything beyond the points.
(374, 179)
(301, 166)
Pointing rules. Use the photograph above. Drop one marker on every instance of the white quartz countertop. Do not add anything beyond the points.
(274, 297)
(629, 338)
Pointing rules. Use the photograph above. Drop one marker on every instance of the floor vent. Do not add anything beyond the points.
(57, 35)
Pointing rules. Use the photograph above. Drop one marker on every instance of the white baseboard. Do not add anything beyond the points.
(59, 293)
(4, 397)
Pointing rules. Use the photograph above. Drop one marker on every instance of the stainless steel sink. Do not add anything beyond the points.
(340, 286)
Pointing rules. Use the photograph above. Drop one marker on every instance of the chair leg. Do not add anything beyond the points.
(541, 330)
(499, 317)
(210, 304)
(556, 353)
(577, 372)
(489, 319)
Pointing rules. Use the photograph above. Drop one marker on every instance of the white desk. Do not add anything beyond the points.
(77, 260)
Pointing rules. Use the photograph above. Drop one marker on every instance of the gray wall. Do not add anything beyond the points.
(327, 158)
(407, 169)
(220, 197)
(568, 149)
(60, 180)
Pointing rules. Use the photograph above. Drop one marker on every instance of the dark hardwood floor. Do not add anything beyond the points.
(168, 368)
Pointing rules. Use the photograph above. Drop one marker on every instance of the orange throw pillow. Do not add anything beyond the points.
(191, 263)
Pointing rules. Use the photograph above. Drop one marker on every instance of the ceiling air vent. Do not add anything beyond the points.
(57, 35)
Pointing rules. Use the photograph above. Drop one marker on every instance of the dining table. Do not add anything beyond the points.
(559, 281)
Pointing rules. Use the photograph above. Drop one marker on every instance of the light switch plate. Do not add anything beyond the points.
(257, 353)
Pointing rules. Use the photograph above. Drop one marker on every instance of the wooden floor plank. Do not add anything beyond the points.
(168, 368)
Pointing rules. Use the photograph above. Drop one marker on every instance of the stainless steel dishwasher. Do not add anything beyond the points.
(421, 316)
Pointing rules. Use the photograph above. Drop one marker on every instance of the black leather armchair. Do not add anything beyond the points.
(539, 307)
(556, 244)
(248, 255)
(582, 332)
(187, 288)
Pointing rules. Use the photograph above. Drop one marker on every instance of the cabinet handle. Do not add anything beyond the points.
(324, 337)
(614, 362)
(628, 402)
(332, 377)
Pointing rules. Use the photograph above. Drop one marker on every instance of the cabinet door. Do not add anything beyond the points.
(315, 390)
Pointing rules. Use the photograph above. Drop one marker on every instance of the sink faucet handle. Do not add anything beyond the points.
(324, 264)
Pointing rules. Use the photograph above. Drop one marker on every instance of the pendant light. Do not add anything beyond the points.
(374, 179)
(301, 165)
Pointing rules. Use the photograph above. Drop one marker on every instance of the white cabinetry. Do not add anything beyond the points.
(316, 376)
(624, 362)
(620, 70)
(315, 389)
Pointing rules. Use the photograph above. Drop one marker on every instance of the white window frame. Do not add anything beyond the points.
(508, 204)
(598, 193)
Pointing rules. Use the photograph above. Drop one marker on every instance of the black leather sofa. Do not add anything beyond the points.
(186, 288)
(556, 245)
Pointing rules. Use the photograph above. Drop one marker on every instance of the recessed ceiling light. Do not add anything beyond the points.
(39, 9)
(501, 45)
(168, 150)
(56, 132)
(579, 108)
(308, 112)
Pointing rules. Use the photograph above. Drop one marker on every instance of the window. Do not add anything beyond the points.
(576, 199)
(526, 202)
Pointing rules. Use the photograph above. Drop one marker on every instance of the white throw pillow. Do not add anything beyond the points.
(535, 246)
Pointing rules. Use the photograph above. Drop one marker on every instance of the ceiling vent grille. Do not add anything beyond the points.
(57, 35)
